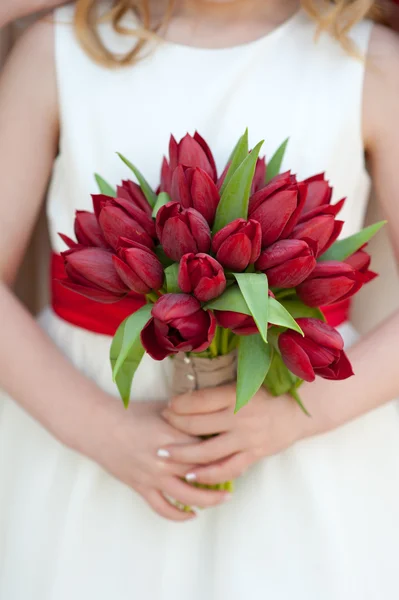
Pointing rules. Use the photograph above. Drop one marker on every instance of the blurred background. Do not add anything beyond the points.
(383, 292)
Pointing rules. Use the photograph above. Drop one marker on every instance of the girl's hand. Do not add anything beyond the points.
(264, 427)
(125, 443)
(15, 9)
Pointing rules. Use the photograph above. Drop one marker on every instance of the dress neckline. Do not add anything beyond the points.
(271, 35)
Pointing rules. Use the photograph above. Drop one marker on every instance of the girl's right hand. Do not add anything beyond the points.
(125, 443)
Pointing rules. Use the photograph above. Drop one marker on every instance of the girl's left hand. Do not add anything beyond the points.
(264, 427)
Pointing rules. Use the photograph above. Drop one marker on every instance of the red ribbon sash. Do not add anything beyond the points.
(106, 318)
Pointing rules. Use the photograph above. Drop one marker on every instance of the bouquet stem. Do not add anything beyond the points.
(192, 372)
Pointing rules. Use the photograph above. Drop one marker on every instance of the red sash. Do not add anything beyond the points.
(106, 318)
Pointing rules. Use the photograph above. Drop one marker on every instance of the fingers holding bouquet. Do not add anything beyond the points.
(262, 428)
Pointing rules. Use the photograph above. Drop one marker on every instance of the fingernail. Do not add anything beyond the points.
(162, 453)
(191, 477)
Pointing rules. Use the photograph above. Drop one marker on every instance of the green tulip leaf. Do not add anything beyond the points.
(255, 289)
(145, 186)
(238, 155)
(278, 315)
(234, 201)
(279, 379)
(342, 249)
(232, 300)
(293, 392)
(163, 259)
(104, 187)
(171, 275)
(163, 198)
(254, 359)
(127, 351)
(298, 309)
(274, 165)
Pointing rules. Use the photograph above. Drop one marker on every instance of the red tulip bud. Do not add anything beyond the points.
(320, 352)
(182, 231)
(318, 193)
(91, 272)
(139, 268)
(132, 192)
(193, 188)
(87, 230)
(178, 324)
(277, 207)
(119, 217)
(259, 180)
(330, 282)
(201, 275)
(237, 245)
(238, 323)
(286, 263)
(360, 261)
(190, 152)
(322, 230)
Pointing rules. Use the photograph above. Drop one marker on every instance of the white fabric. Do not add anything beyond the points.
(318, 522)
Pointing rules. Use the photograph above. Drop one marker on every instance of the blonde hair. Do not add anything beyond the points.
(336, 16)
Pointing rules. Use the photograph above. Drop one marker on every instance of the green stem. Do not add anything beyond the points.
(224, 342)
(152, 297)
(285, 294)
(214, 347)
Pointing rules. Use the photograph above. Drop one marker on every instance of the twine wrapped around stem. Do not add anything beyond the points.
(196, 373)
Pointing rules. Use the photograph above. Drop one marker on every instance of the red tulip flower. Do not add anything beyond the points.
(194, 188)
(182, 231)
(319, 227)
(238, 244)
(259, 180)
(138, 267)
(120, 218)
(286, 263)
(238, 323)
(319, 193)
(360, 261)
(178, 324)
(202, 276)
(330, 282)
(320, 352)
(190, 152)
(87, 232)
(277, 207)
(92, 273)
(132, 192)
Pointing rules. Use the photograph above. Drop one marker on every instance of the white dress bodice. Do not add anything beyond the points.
(282, 85)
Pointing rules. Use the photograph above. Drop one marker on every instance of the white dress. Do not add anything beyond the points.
(317, 522)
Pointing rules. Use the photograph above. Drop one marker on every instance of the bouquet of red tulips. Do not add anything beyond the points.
(237, 265)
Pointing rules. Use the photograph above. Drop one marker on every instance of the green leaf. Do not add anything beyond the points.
(254, 358)
(163, 259)
(163, 198)
(145, 186)
(293, 392)
(274, 164)
(298, 309)
(234, 201)
(279, 379)
(278, 315)
(127, 351)
(255, 289)
(232, 299)
(344, 248)
(171, 273)
(104, 187)
(239, 154)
